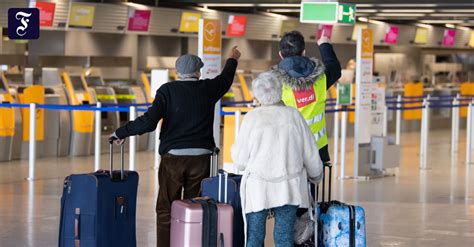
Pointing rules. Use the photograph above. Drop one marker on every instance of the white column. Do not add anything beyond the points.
(236, 134)
(133, 141)
(97, 136)
(454, 127)
(32, 143)
(385, 121)
(398, 120)
(238, 114)
(343, 142)
(336, 135)
(469, 134)
(424, 134)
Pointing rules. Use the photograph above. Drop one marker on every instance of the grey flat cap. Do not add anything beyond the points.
(188, 64)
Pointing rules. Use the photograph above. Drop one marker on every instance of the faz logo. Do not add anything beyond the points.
(23, 23)
(304, 97)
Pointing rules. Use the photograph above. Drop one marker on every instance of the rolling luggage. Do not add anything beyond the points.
(201, 222)
(339, 224)
(225, 188)
(99, 209)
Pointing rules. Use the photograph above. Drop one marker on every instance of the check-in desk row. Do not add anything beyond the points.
(62, 132)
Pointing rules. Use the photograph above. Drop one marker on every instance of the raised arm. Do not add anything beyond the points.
(222, 83)
(333, 67)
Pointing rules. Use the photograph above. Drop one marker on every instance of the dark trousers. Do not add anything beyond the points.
(175, 174)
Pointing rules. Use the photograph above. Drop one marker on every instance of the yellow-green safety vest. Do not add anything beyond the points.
(311, 103)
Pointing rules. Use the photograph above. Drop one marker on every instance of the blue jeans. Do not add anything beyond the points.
(283, 233)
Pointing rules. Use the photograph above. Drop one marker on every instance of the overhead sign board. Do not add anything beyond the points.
(319, 12)
(391, 36)
(81, 15)
(288, 26)
(421, 35)
(138, 20)
(471, 39)
(347, 13)
(236, 25)
(46, 13)
(190, 22)
(449, 37)
(327, 12)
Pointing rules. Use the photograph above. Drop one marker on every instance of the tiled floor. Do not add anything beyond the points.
(433, 207)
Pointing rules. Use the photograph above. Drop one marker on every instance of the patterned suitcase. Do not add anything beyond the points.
(339, 224)
(99, 209)
(201, 222)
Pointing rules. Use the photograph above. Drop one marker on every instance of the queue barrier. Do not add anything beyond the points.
(427, 103)
(134, 108)
(98, 108)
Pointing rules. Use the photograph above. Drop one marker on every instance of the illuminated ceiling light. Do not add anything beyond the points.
(450, 26)
(424, 25)
(205, 9)
(362, 19)
(415, 5)
(442, 21)
(284, 10)
(451, 15)
(229, 5)
(456, 10)
(364, 5)
(278, 5)
(376, 22)
(407, 10)
(400, 14)
(463, 28)
(137, 6)
(366, 11)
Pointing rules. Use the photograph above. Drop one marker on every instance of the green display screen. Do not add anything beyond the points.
(319, 12)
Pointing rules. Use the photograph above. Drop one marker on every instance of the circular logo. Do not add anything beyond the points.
(210, 31)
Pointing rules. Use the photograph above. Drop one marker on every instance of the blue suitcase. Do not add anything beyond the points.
(339, 224)
(99, 209)
(225, 188)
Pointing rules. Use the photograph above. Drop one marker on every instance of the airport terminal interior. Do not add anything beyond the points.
(399, 121)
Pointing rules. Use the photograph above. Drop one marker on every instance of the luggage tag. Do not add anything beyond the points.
(120, 206)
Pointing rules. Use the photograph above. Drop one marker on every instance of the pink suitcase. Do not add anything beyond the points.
(187, 224)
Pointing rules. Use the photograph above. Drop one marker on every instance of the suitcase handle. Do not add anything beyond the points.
(329, 166)
(214, 162)
(122, 162)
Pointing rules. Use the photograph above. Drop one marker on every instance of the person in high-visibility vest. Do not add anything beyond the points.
(305, 82)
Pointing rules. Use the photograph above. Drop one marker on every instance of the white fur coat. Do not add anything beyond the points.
(277, 152)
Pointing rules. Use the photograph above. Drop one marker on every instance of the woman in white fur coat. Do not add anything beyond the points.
(278, 154)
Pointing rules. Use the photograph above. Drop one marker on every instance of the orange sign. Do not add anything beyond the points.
(212, 37)
(367, 43)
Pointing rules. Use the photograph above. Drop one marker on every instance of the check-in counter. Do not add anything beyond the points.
(127, 94)
(28, 95)
(82, 121)
(144, 82)
(110, 120)
(7, 122)
(51, 79)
